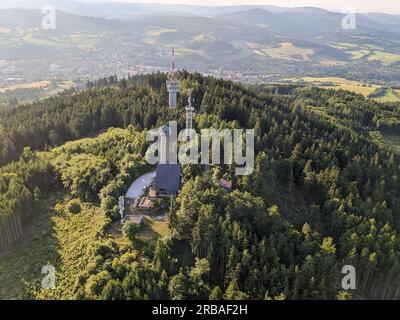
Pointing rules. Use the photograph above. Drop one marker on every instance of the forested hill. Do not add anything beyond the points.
(325, 193)
(137, 101)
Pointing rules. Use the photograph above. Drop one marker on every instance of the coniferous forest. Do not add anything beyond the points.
(325, 193)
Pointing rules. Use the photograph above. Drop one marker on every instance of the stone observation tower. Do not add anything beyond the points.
(189, 117)
(173, 83)
(168, 175)
(164, 144)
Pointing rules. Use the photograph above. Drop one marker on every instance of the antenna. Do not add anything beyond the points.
(172, 83)
(189, 116)
(173, 60)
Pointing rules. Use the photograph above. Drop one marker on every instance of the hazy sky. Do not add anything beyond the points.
(389, 6)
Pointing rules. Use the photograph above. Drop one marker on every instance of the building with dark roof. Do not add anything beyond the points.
(168, 179)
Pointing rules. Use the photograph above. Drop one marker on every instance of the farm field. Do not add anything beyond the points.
(30, 85)
(384, 57)
(46, 85)
(369, 52)
(389, 95)
(74, 40)
(26, 92)
(285, 50)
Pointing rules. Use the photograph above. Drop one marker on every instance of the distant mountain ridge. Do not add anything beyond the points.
(276, 43)
(126, 10)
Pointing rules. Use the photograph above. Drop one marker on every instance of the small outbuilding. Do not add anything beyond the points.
(134, 219)
(147, 204)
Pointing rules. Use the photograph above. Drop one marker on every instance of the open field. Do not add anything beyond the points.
(344, 45)
(359, 54)
(31, 91)
(29, 85)
(155, 32)
(205, 37)
(82, 41)
(286, 51)
(44, 84)
(389, 95)
(152, 229)
(337, 83)
(74, 40)
(368, 51)
(393, 141)
(384, 57)
(159, 227)
(331, 62)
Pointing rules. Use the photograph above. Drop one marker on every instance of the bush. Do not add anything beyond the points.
(74, 207)
(130, 230)
(105, 251)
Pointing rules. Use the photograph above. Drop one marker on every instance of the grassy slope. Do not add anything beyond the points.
(44, 89)
(285, 50)
(349, 85)
(152, 229)
(78, 236)
(55, 237)
(389, 96)
(67, 241)
(393, 141)
(384, 57)
(45, 85)
(21, 266)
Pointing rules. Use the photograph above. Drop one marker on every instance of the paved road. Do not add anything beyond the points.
(136, 188)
